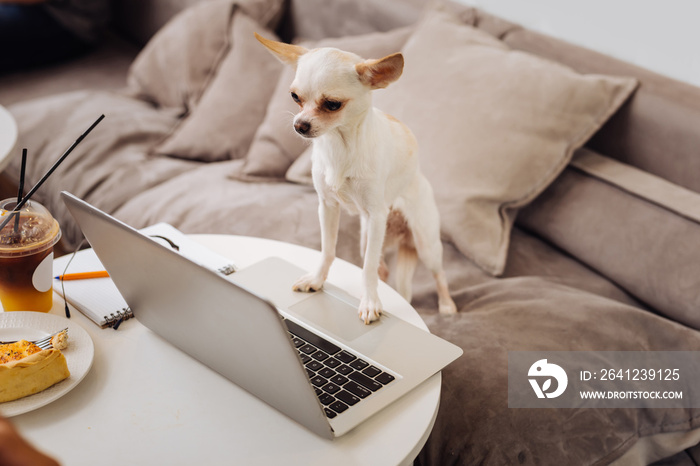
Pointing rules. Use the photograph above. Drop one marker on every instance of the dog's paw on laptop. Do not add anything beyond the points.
(308, 283)
(369, 310)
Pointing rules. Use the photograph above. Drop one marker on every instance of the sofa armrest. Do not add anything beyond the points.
(635, 228)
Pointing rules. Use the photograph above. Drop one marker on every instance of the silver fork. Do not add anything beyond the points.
(43, 343)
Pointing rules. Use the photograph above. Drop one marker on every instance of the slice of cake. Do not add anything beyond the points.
(26, 369)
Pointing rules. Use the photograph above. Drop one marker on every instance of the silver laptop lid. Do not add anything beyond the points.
(190, 307)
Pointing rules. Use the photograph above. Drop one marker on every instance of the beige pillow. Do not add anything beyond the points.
(300, 171)
(276, 145)
(495, 126)
(174, 68)
(223, 123)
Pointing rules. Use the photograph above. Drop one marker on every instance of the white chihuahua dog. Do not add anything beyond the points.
(367, 162)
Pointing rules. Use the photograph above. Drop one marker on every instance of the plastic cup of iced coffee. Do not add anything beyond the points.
(26, 257)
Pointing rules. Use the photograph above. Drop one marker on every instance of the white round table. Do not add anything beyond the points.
(144, 402)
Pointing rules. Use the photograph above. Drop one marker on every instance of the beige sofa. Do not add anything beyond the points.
(569, 209)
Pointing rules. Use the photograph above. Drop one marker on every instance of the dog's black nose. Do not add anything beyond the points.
(302, 127)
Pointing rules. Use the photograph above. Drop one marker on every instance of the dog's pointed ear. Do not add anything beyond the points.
(378, 74)
(286, 53)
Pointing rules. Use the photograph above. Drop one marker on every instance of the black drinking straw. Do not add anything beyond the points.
(48, 173)
(21, 185)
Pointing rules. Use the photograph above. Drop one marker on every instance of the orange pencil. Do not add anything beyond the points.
(83, 275)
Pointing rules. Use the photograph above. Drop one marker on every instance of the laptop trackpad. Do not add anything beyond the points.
(336, 317)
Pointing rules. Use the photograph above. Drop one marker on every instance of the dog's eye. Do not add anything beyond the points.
(295, 97)
(332, 105)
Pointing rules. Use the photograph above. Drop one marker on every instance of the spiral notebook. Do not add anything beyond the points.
(100, 300)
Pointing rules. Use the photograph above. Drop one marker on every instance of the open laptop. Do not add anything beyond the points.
(306, 354)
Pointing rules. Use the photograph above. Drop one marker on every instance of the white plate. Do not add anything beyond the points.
(34, 325)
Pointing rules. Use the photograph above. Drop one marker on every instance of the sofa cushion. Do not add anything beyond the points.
(300, 171)
(276, 145)
(207, 201)
(494, 126)
(633, 227)
(654, 131)
(474, 423)
(222, 124)
(176, 65)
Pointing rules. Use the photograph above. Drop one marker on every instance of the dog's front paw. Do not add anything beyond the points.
(308, 283)
(370, 310)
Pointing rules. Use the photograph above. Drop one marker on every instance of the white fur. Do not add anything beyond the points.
(366, 162)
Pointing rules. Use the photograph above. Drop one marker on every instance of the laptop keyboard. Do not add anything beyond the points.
(340, 378)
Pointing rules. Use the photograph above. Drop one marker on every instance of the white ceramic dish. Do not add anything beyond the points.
(35, 325)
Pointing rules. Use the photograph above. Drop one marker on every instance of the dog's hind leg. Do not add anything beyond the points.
(424, 220)
(399, 234)
(406, 261)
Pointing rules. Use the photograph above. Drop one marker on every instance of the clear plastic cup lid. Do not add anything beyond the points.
(36, 229)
